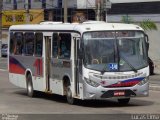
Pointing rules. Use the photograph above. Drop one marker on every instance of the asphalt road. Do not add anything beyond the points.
(3, 63)
(14, 100)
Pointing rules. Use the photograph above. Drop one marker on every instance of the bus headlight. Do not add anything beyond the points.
(145, 80)
(92, 83)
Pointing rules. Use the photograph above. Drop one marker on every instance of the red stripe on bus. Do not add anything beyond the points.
(13, 68)
(38, 67)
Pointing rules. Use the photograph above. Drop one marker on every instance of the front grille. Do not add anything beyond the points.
(118, 77)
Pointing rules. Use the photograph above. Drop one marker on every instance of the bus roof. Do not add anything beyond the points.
(79, 27)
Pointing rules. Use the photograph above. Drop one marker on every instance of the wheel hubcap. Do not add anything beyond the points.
(29, 88)
(69, 96)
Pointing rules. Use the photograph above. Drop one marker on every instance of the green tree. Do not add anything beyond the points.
(146, 24)
(127, 19)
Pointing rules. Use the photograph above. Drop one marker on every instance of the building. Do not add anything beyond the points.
(16, 12)
(54, 8)
(138, 10)
(35, 11)
(78, 10)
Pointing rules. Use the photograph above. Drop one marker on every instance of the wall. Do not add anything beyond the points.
(4, 36)
(81, 4)
(20, 4)
(51, 4)
(154, 40)
(128, 1)
(8, 5)
(35, 4)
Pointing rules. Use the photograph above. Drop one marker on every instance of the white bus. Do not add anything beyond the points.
(90, 60)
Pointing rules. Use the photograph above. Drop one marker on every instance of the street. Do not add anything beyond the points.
(3, 63)
(15, 100)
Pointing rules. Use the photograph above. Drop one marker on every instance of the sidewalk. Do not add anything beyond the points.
(155, 79)
(154, 82)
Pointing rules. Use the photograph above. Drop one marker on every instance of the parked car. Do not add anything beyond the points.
(151, 66)
(4, 50)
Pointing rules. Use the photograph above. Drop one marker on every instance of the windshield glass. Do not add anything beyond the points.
(115, 51)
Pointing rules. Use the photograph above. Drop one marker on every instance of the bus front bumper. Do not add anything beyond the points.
(101, 93)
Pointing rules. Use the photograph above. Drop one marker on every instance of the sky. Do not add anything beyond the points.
(127, 1)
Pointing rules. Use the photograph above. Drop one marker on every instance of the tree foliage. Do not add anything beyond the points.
(145, 24)
(148, 25)
(127, 19)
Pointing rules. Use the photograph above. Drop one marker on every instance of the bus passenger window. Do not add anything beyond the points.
(61, 45)
(18, 43)
(55, 44)
(12, 39)
(29, 43)
(65, 45)
(38, 44)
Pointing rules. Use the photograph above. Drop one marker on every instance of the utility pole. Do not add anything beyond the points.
(1, 5)
(65, 10)
(27, 11)
(98, 10)
(102, 7)
(108, 5)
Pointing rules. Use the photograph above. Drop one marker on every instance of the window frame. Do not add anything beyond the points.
(35, 51)
(15, 43)
(33, 43)
(59, 44)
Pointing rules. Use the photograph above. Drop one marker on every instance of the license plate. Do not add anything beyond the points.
(119, 93)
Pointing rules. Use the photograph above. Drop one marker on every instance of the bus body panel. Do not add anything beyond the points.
(19, 65)
(60, 68)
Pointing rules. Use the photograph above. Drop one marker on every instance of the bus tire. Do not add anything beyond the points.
(69, 97)
(124, 101)
(30, 90)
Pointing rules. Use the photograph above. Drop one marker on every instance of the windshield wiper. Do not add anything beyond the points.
(133, 68)
(103, 70)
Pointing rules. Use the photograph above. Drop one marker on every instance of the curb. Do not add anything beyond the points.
(154, 87)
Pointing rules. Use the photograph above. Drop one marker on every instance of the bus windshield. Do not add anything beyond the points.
(115, 51)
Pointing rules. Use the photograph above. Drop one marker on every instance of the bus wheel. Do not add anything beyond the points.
(124, 101)
(30, 90)
(70, 99)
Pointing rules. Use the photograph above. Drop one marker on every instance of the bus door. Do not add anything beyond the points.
(47, 58)
(78, 70)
